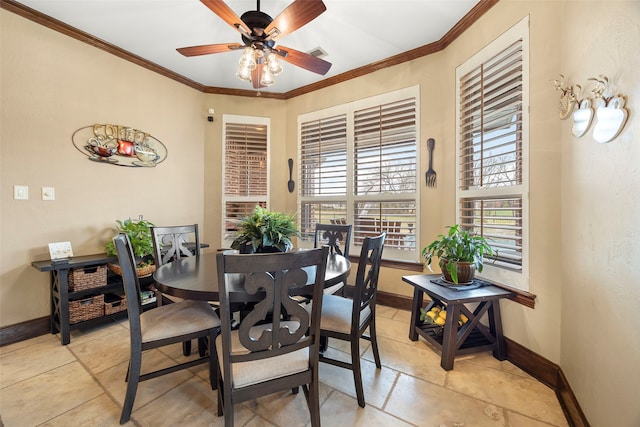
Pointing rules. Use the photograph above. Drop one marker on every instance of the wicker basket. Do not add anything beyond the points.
(86, 308)
(145, 271)
(87, 278)
(114, 303)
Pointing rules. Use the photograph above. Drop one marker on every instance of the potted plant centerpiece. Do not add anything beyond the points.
(139, 232)
(461, 254)
(265, 231)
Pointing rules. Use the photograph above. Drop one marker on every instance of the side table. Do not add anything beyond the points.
(471, 337)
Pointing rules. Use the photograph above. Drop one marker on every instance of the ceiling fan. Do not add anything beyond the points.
(259, 33)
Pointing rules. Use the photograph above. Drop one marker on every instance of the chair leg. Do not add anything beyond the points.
(186, 348)
(132, 386)
(374, 342)
(202, 346)
(228, 409)
(357, 371)
(220, 403)
(213, 362)
(314, 401)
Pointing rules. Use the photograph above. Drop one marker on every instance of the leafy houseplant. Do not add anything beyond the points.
(265, 231)
(457, 250)
(139, 232)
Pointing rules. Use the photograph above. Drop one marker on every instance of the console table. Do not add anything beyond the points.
(60, 294)
(471, 337)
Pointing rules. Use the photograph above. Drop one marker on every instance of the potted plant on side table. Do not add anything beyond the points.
(265, 231)
(461, 254)
(139, 232)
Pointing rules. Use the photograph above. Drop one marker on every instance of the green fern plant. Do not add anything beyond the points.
(265, 229)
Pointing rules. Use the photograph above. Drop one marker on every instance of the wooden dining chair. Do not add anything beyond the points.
(338, 238)
(347, 319)
(266, 354)
(170, 243)
(161, 326)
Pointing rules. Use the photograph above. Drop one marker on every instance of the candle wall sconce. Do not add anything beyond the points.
(582, 116)
(610, 112)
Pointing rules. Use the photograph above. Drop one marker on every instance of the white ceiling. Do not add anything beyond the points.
(354, 33)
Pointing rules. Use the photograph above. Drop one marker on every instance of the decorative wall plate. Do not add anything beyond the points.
(119, 145)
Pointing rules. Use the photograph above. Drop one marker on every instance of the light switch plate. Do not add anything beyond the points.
(20, 192)
(48, 193)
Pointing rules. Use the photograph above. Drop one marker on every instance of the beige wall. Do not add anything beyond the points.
(584, 202)
(600, 210)
(51, 86)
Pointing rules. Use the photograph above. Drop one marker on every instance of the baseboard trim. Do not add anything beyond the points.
(532, 363)
(550, 374)
(24, 331)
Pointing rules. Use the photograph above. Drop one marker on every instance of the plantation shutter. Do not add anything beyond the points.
(385, 148)
(385, 170)
(491, 153)
(245, 171)
(323, 173)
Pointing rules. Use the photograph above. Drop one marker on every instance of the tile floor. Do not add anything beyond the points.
(43, 383)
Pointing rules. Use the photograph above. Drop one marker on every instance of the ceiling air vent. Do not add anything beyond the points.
(318, 52)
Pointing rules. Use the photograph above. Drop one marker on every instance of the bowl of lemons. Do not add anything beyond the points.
(437, 315)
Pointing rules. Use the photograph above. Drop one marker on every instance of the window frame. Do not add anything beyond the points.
(518, 279)
(350, 198)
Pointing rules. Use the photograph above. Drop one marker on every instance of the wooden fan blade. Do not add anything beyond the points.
(297, 14)
(304, 60)
(221, 9)
(209, 49)
(255, 76)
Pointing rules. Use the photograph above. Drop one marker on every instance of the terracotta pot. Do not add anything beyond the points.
(466, 272)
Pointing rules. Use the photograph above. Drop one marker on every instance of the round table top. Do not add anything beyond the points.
(196, 277)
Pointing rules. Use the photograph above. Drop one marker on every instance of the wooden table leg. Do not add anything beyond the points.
(450, 335)
(415, 313)
(495, 325)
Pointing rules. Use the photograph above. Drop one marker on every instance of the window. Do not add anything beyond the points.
(358, 165)
(245, 170)
(492, 145)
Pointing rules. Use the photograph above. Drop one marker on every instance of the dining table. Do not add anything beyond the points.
(196, 278)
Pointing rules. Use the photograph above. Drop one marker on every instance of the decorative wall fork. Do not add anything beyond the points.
(430, 175)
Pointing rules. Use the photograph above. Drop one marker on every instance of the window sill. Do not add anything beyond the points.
(397, 264)
(521, 297)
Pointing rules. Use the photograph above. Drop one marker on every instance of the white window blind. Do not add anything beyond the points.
(358, 166)
(492, 146)
(245, 168)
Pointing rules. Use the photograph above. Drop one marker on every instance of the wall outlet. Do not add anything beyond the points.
(20, 192)
(48, 193)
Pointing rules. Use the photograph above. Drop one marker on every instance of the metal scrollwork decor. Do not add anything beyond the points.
(567, 98)
(119, 145)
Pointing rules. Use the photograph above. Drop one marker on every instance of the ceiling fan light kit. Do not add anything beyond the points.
(259, 62)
